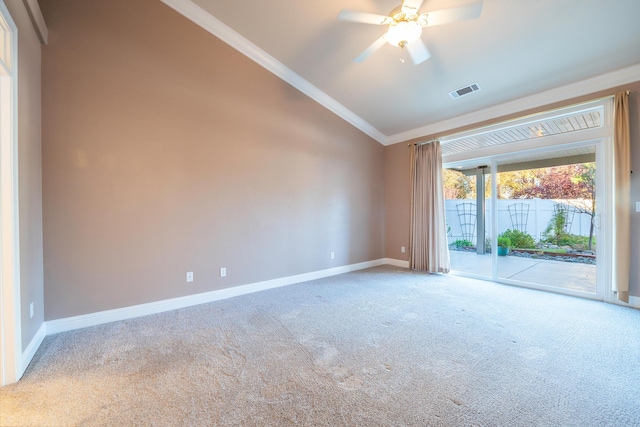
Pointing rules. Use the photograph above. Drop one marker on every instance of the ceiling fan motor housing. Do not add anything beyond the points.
(403, 32)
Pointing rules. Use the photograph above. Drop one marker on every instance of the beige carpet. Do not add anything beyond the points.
(380, 347)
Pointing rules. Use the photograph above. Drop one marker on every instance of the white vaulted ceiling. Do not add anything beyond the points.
(521, 53)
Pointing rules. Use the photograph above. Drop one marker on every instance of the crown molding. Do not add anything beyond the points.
(208, 22)
(35, 14)
(583, 87)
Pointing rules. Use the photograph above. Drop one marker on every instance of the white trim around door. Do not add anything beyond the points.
(11, 366)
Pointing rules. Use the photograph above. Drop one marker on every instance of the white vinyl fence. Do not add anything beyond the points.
(535, 222)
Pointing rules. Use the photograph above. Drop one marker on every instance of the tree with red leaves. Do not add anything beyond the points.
(576, 182)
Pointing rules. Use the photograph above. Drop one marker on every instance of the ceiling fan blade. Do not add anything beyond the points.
(454, 14)
(371, 49)
(418, 51)
(411, 7)
(363, 17)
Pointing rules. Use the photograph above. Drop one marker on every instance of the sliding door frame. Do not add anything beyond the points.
(603, 215)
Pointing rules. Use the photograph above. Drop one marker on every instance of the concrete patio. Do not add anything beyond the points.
(560, 274)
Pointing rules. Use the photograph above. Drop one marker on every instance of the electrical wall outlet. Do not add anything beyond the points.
(403, 249)
(189, 276)
(31, 311)
(223, 272)
(333, 255)
(637, 206)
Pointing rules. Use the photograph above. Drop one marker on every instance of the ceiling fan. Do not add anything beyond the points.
(405, 25)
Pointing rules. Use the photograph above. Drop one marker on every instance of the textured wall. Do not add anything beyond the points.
(166, 151)
(397, 197)
(29, 172)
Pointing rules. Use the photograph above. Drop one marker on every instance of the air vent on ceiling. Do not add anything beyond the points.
(473, 87)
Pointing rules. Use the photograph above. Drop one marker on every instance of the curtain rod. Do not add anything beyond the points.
(424, 142)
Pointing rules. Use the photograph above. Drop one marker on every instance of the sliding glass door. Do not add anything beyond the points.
(537, 226)
(546, 220)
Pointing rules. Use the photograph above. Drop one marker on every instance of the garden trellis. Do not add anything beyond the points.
(467, 217)
(519, 213)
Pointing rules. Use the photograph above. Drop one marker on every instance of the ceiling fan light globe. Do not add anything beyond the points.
(403, 32)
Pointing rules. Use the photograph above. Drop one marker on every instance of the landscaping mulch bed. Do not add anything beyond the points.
(583, 258)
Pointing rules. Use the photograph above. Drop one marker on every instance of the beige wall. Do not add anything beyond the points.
(397, 200)
(397, 197)
(166, 151)
(29, 172)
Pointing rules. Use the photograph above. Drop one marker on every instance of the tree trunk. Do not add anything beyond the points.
(593, 216)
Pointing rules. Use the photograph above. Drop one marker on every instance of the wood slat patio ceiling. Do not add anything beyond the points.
(572, 122)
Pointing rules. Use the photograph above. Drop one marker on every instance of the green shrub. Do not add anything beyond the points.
(504, 242)
(556, 229)
(519, 239)
(460, 243)
(573, 240)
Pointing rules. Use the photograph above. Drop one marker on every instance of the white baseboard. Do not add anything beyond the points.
(30, 351)
(634, 302)
(396, 262)
(93, 319)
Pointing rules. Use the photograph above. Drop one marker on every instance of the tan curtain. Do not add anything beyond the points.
(428, 250)
(622, 182)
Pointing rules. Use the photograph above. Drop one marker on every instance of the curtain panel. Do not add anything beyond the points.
(622, 185)
(428, 249)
